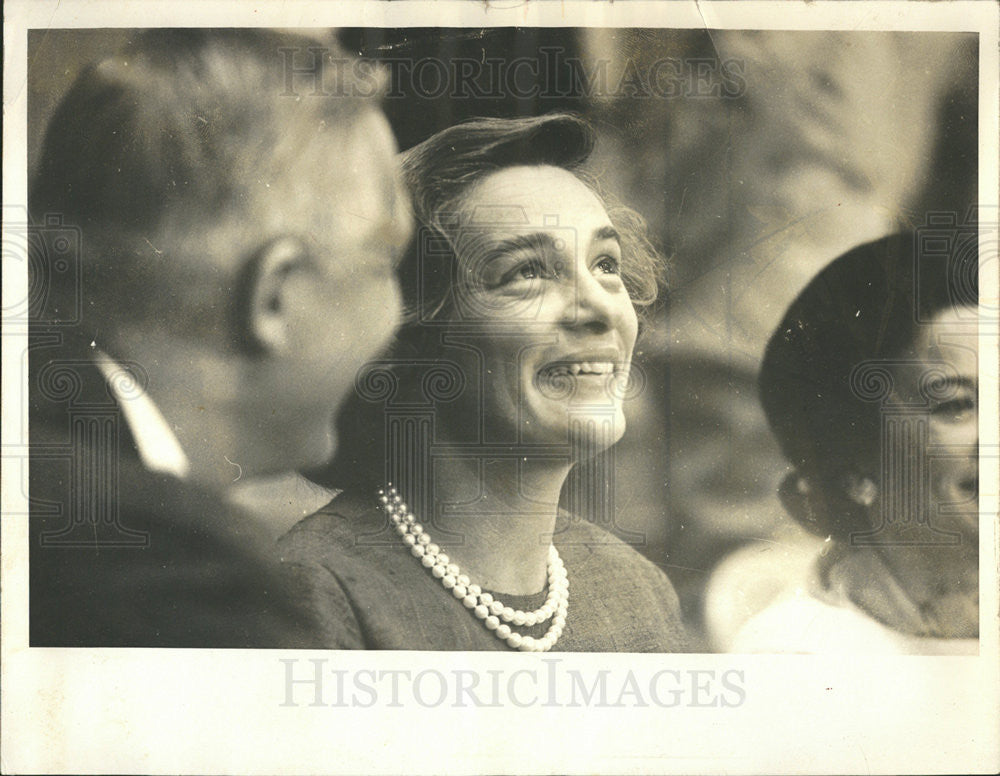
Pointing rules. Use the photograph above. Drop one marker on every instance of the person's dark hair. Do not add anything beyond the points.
(171, 131)
(440, 171)
(868, 304)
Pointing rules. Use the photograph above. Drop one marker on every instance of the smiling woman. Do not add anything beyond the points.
(523, 285)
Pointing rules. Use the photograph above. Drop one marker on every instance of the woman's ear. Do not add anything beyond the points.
(262, 295)
(861, 490)
(795, 495)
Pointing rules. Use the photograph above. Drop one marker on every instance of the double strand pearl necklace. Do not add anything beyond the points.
(494, 615)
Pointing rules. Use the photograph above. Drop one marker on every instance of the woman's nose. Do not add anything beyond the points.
(588, 302)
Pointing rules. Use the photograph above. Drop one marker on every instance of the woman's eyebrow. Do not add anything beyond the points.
(606, 233)
(546, 241)
(536, 241)
(955, 383)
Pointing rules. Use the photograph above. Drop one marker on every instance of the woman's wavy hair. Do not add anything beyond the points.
(441, 170)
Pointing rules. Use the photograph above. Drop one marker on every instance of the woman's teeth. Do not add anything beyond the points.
(582, 368)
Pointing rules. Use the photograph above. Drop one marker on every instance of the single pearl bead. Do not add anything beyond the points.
(486, 598)
(559, 620)
(547, 610)
(433, 548)
(401, 530)
(527, 644)
(402, 506)
(507, 614)
(439, 571)
(514, 640)
(475, 590)
(503, 632)
(444, 558)
(463, 579)
(544, 644)
(519, 618)
(409, 539)
(470, 601)
(416, 529)
(448, 580)
(459, 591)
(417, 550)
(481, 612)
(409, 519)
(530, 619)
(496, 607)
(428, 561)
(453, 570)
(491, 623)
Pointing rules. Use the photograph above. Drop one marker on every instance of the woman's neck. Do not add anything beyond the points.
(903, 588)
(495, 518)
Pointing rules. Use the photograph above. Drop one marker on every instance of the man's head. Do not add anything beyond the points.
(239, 227)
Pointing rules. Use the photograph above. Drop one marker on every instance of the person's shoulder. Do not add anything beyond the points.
(585, 545)
(576, 536)
(338, 529)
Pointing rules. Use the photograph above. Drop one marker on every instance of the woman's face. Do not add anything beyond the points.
(540, 294)
(936, 385)
(935, 411)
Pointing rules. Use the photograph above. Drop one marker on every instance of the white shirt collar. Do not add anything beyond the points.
(157, 444)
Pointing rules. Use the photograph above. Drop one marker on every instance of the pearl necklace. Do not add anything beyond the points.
(494, 615)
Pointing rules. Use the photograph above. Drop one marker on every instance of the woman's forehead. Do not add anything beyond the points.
(530, 196)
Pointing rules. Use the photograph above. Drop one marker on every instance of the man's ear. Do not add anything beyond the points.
(262, 296)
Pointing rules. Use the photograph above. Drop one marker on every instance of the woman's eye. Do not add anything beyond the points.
(609, 265)
(954, 410)
(530, 270)
(526, 270)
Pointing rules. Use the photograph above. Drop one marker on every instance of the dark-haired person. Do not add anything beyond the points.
(870, 385)
(235, 268)
(521, 295)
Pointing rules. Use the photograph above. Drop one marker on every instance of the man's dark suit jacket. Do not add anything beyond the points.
(123, 557)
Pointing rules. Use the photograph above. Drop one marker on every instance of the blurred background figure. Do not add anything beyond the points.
(870, 385)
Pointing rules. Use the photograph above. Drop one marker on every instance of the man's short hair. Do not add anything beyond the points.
(170, 129)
